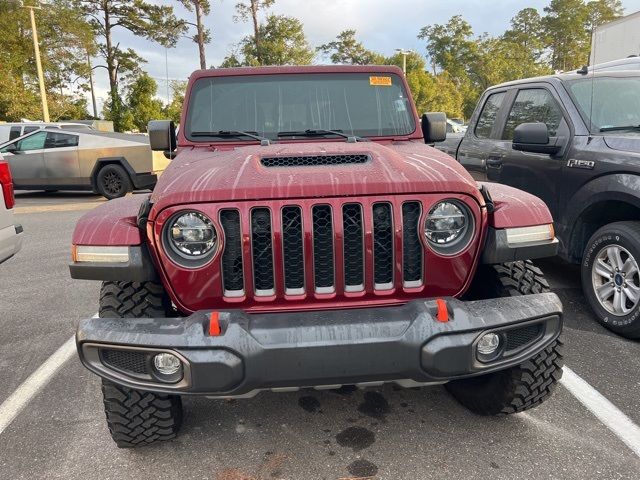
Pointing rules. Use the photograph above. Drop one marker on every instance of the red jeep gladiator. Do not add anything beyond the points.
(305, 235)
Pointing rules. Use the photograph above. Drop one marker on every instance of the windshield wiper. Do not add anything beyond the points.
(319, 132)
(233, 133)
(624, 127)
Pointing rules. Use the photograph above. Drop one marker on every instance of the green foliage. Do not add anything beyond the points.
(174, 109)
(533, 45)
(141, 101)
(64, 38)
(345, 49)
(282, 42)
(156, 23)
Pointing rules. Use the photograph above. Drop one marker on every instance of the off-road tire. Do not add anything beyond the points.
(135, 417)
(526, 385)
(112, 181)
(627, 236)
(134, 300)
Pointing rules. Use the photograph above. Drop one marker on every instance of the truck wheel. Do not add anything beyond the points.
(135, 417)
(113, 182)
(526, 385)
(611, 277)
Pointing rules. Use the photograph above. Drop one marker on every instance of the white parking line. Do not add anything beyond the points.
(603, 409)
(13, 405)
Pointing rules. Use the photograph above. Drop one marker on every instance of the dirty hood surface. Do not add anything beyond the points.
(202, 175)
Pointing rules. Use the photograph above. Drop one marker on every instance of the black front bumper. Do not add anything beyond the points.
(282, 351)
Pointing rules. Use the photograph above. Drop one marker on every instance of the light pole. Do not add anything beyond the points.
(404, 54)
(36, 47)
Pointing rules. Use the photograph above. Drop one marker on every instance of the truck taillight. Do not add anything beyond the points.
(7, 185)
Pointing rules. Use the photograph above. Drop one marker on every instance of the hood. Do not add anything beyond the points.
(197, 175)
(625, 143)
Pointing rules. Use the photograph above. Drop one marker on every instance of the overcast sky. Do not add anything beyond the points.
(382, 25)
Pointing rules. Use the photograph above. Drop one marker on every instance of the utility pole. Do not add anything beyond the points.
(36, 47)
(404, 54)
(93, 93)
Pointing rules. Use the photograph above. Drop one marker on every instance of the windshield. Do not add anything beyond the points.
(616, 101)
(360, 104)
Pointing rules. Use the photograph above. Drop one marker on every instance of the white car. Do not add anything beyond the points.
(10, 233)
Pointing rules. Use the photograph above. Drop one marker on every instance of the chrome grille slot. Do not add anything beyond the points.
(353, 232)
(382, 246)
(323, 268)
(262, 252)
(411, 245)
(293, 250)
(232, 274)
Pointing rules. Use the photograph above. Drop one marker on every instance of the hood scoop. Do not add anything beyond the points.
(315, 160)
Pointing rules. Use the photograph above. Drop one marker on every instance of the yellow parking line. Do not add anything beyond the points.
(64, 207)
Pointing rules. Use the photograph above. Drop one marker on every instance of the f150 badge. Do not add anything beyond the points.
(585, 164)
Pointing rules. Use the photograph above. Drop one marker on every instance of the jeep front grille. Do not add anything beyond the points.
(326, 248)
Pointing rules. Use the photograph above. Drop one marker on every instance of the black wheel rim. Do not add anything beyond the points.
(112, 183)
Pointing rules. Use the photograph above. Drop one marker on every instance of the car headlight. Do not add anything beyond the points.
(449, 227)
(191, 235)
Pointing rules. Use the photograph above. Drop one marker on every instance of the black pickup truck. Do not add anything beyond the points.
(574, 141)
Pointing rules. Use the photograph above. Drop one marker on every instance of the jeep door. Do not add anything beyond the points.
(61, 159)
(478, 143)
(536, 173)
(25, 157)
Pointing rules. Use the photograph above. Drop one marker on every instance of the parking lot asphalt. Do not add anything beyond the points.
(385, 433)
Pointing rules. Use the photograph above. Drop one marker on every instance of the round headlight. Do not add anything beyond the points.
(192, 235)
(449, 226)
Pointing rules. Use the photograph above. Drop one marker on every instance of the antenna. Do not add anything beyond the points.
(593, 79)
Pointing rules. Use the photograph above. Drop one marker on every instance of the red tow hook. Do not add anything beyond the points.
(442, 314)
(214, 324)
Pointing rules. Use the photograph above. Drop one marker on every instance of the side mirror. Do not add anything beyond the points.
(11, 148)
(533, 138)
(434, 127)
(162, 135)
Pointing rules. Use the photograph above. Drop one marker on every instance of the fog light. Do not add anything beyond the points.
(167, 363)
(488, 344)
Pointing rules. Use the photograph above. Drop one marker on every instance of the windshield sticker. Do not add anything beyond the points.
(380, 81)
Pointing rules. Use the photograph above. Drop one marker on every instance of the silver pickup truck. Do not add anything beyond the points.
(10, 233)
(110, 164)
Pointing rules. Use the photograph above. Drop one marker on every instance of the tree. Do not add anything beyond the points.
(450, 47)
(601, 12)
(202, 37)
(63, 36)
(526, 33)
(415, 62)
(251, 10)
(282, 42)
(156, 23)
(174, 109)
(142, 103)
(345, 49)
(565, 32)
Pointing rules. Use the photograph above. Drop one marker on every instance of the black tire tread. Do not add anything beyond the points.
(524, 386)
(134, 300)
(136, 418)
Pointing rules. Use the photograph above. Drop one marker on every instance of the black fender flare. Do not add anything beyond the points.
(620, 187)
(101, 162)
